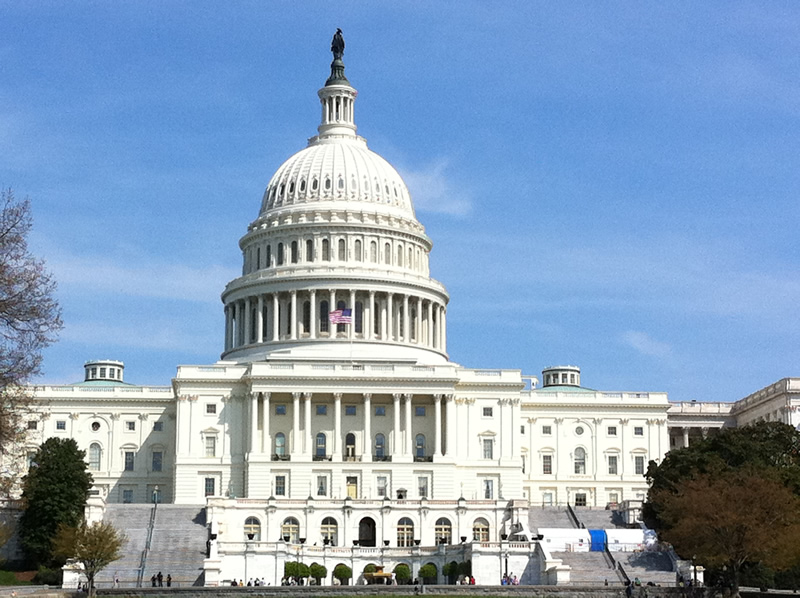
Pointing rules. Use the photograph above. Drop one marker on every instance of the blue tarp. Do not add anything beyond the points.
(598, 537)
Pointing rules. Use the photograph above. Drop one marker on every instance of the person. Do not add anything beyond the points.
(116, 580)
(160, 579)
(628, 589)
(514, 581)
(153, 580)
(169, 580)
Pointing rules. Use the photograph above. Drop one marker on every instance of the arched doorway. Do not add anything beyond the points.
(366, 532)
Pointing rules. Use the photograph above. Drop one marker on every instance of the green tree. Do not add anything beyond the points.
(343, 573)
(94, 546)
(54, 493)
(30, 319)
(402, 573)
(428, 573)
(318, 572)
(290, 570)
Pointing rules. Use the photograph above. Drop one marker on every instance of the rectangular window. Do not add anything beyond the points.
(211, 446)
(157, 460)
(522, 429)
(209, 487)
(613, 497)
(380, 410)
(638, 463)
(61, 425)
(547, 498)
(129, 460)
(488, 448)
(547, 464)
(130, 426)
(322, 485)
(612, 430)
(381, 485)
(488, 489)
(419, 411)
(638, 431)
(32, 425)
(349, 409)
(127, 496)
(280, 409)
(580, 499)
(280, 485)
(612, 465)
(547, 430)
(322, 410)
(487, 412)
(158, 426)
(102, 372)
(422, 484)
(211, 408)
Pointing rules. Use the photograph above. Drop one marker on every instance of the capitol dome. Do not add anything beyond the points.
(336, 264)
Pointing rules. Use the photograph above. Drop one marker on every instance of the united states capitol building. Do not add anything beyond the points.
(359, 441)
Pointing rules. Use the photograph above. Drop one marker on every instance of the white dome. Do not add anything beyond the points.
(338, 170)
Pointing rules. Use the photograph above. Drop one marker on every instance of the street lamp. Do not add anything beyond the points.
(694, 566)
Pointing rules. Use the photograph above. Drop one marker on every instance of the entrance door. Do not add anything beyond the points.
(352, 486)
(366, 532)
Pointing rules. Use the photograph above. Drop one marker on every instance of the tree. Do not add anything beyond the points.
(402, 573)
(30, 318)
(427, 573)
(318, 572)
(54, 493)
(343, 573)
(94, 546)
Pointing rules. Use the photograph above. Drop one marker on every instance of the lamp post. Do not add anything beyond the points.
(694, 566)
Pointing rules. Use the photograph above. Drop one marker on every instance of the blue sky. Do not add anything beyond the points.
(609, 185)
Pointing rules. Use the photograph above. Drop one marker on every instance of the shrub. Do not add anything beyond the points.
(402, 573)
(47, 577)
(344, 573)
(318, 571)
(428, 573)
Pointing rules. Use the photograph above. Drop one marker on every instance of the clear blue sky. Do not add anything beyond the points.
(608, 185)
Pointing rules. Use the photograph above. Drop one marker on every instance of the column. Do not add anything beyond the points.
(367, 450)
(275, 321)
(429, 331)
(337, 426)
(331, 307)
(418, 323)
(314, 314)
(309, 449)
(409, 439)
(406, 323)
(297, 445)
(370, 322)
(685, 437)
(389, 318)
(352, 328)
(253, 422)
(248, 321)
(437, 425)
(260, 320)
(227, 328)
(266, 437)
(449, 425)
(397, 445)
(293, 315)
(444, 329)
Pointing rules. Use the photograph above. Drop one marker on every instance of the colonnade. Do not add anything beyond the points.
(293, 315)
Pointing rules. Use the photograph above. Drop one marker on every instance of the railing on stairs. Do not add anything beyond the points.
(575, 521)
(615, 565)
(143, 562)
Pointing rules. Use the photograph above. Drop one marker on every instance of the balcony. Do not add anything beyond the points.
(276, 457)
(321, 458)
(423, 459)
(351, 458)
(383, 458)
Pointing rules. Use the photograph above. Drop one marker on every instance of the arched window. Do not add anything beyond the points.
(405, 532)
(342, 250)
(358, 320)
(280, 254)
(95, 456)
(399, 257)
(350, 445)
(314, 184)
(323, 316)
(326, 250)
(307, 317)
(387, 254)
(580, 460)
(340, 184)
(320, 449)
(373, 252)
(329, 530)
(280, 444)
(480, 530)
(410, 262)
(252, 529)
(413, 324)
(327, 183)
(419, 446)
(380, 446)
(302, 185)
(376, 324)
(357, 251)
(443, 531)
(294, 252)
(258, 258)
(269, 257)
(309, 250)
(290, 530)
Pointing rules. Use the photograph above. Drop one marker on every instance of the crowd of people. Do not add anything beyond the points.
(157, 581)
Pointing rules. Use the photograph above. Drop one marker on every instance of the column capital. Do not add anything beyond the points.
(408, 396)
(438, 397)
(337, 396)
(367, 396)
(296, 395)
(307, 395)
(397, 396)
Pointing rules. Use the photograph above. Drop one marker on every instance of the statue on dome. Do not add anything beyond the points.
(337, 44)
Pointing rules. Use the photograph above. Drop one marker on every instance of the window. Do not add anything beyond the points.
(280, 409)
(326, 250)
(280, 254)
(380, 411)
(95, 426)
(380, 446)
(488, 489)
(443, 531)
(130, 426)
(211, 446)
(381, 485)
(349, 409)
(487, 412)
(211, 408)
(488, 448)
(613, 497)
(419, 411)
(129, 460)
(322, 410)
(580, 499)
(342, 251)
(612, 430)
(158, 458)
(280, 444)
(61, 425)
(422, 485)
(480, 530)
(612, 465)
(158, 426)
(322, 485)
(329, 531)
(350, 445)
(638, 431)
(638, 464)
(320, 446)
(547, 430)
(294, 252)
(127, 496)
(580, 460)
(102, 372)
(522, 429)
(357, 251)
(252, 529)
(547, 464)
(290, 530)
(280, 485)
(419, 448)
(309, 251)
(94, 373)
(405, 532)
(579, 430)
(95, 456)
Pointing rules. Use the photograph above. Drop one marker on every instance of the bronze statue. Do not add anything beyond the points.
(337, 44)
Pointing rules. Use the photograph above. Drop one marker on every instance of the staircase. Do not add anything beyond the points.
(648, 566)
(588, 568)
(549, 517)
(178, 545)
(134, 521)
(599, 518)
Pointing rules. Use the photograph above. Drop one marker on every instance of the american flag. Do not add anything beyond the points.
(341, 316)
